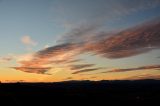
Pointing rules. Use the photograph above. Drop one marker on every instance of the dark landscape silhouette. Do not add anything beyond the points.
(80, 92)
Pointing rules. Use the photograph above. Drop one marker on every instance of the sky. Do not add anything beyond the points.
(60, 40)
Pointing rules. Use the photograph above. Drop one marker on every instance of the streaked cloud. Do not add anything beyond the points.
(143, 76)
(79, 39)
(86, 70)
(130, 42)
(74, 60)
(38, 70)
(90, 38)
(135, 69)
(81, 66)
(68, 78)
(5, 59)
(49, 57)
(126, 43)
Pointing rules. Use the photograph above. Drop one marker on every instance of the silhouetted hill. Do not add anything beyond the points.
(80, 92)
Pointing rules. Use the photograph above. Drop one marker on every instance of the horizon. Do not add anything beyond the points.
(59, 40)
(70, 81)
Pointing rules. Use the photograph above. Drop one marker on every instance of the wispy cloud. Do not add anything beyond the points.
(6, 59)
(127, 43)
(90, 38)
(38, 70)
(16, 57)
(81, 66)
(86, 70)
(143, 76)
(134, 69)
(48, 58)
(133, 41)
(68, 78)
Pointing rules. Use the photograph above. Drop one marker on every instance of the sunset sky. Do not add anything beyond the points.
(58, 40)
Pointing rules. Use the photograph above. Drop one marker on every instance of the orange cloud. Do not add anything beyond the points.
(48, 57)
(39, 70)
(130, 42)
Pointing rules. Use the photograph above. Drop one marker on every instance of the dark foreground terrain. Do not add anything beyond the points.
(80, 92)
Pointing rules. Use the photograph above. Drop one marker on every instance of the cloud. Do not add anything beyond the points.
(143, 76)
(24, 57)
(97, 14)
(74, 60)
(134, 69)
(77, 35)
(38, 70)
(86, 70)
(16, 57)
(81, 66)
(57, 54)
(49, 57)
(68, 78)
(28, 41)
(6, 59)
(130, 42)
(46, 46)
